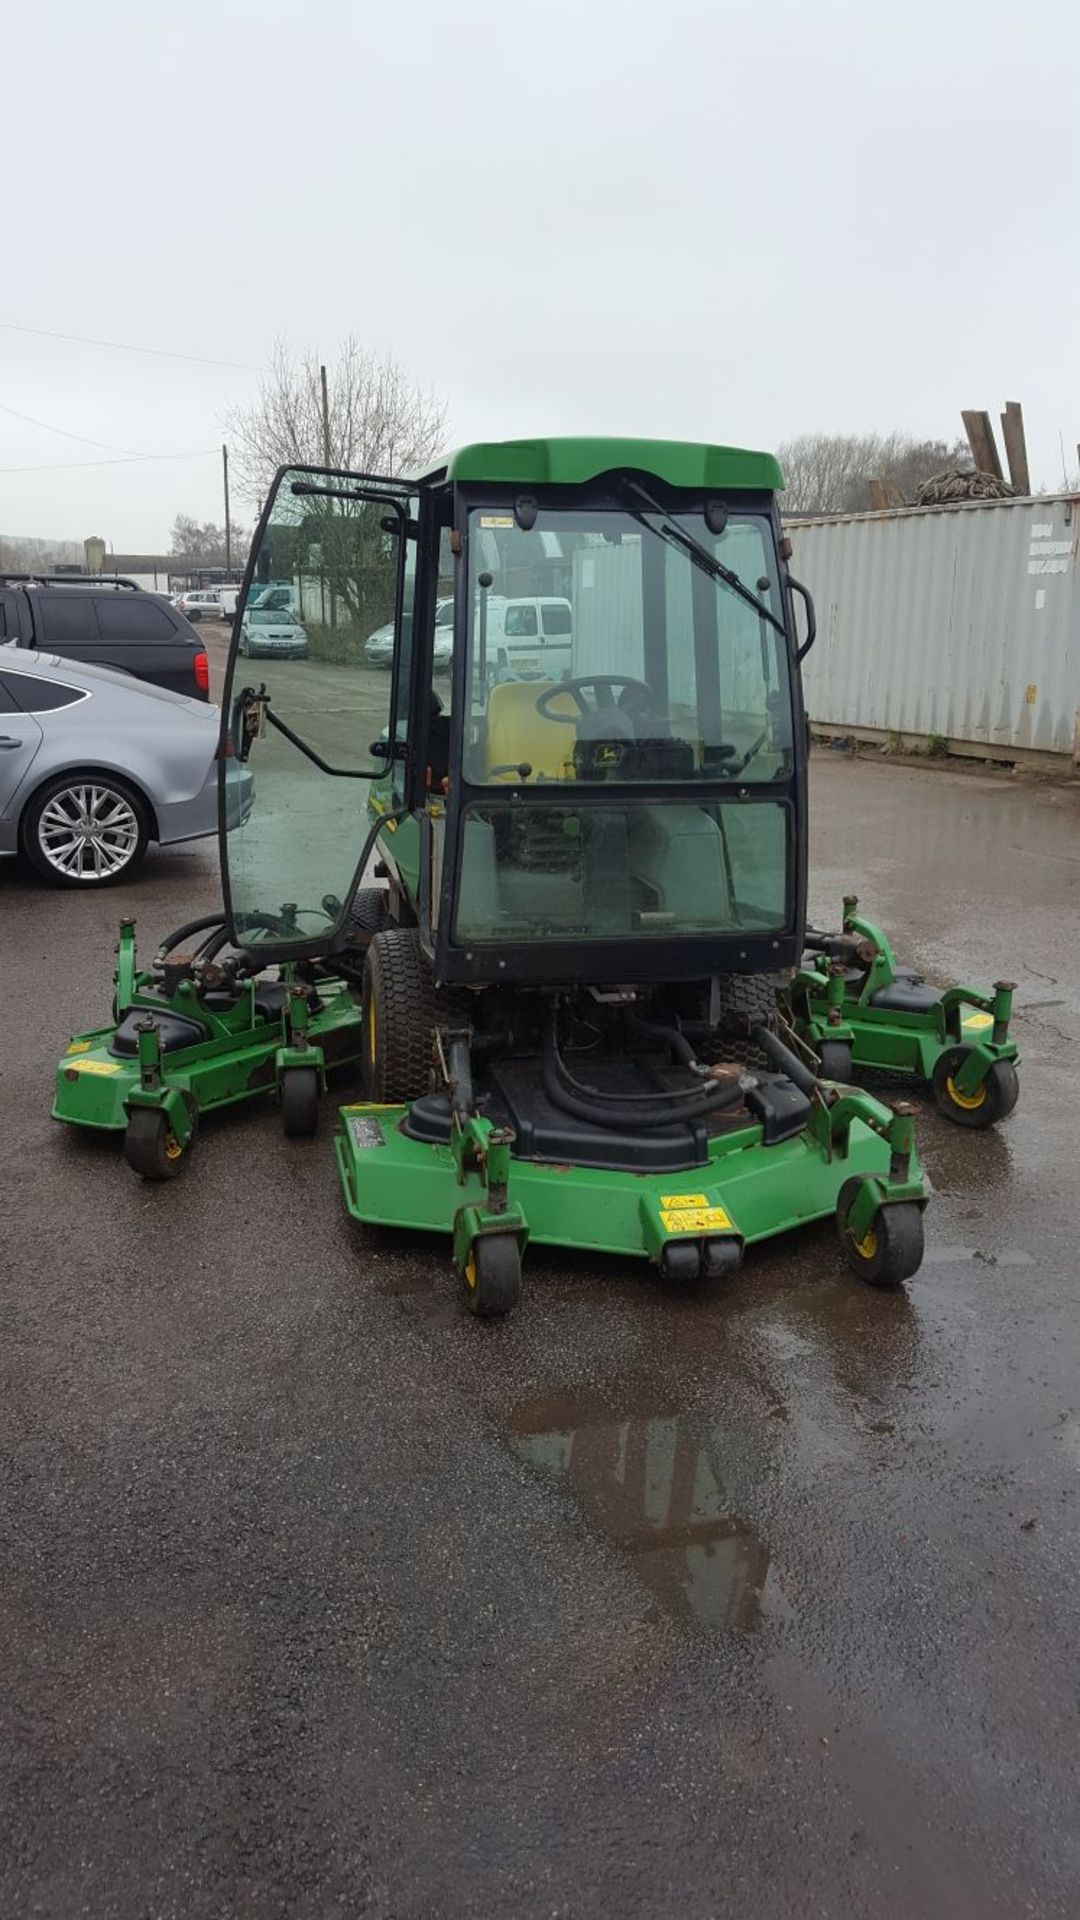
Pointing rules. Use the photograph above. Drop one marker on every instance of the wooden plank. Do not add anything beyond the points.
(982, 443)
(1012, 432)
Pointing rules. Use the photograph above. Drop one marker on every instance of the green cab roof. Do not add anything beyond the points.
(572, 462)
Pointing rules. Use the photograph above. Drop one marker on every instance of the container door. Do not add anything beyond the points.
(308, 716)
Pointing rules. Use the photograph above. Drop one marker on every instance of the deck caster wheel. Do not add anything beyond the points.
(991, 1101)
(151, 1148)
(300, 1102)
(493, 1275)
(891, 1249)
(834, 1061)
(720, 1259)
(680, 1260)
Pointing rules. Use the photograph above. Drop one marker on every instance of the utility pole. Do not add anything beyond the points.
(325, 418)
(228, 522)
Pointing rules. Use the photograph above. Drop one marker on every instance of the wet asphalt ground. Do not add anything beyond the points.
(319, 1597)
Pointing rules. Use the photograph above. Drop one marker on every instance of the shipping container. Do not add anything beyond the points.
(959, 621)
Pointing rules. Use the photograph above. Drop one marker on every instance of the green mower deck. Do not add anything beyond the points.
(854, 1007)
(156, 1093)
(854, 1159)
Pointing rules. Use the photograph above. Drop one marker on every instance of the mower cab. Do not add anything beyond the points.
(590, 817)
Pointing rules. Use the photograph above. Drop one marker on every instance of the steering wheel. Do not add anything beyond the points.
(603, 686)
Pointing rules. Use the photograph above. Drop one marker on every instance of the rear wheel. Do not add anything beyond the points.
(493, 1275)
(85, 830)
(399, 1016)
(992, 1099)
(891, 1249)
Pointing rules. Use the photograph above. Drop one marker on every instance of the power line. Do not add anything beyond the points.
(105, 445)
(125, 346)
(68, 466)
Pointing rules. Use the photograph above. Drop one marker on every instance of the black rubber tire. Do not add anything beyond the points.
(896, 1238)
(399, 1013)
(492, 1275)
(151, 1149)
(834, 1061)
(300, 1102)
(107, 783)
(752, 997)
(368, 911)
(999, 1091)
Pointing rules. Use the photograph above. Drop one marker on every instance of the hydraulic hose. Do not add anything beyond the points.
(203, 925)
(671, 1037)
(783, 1058)
(603, 1110)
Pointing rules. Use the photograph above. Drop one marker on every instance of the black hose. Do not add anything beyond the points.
(594, 1108)
(671, 1037)
(783, 1058)
(189, 927)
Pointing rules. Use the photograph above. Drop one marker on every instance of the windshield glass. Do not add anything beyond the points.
(602, 651)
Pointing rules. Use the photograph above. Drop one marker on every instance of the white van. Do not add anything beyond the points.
(529, 639)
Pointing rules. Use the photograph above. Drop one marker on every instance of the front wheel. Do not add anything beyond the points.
(993, 1098)
(493, 1275)
(891, 1249)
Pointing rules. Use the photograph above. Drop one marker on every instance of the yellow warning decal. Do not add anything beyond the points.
(697, 1220)
(684, 1199)
(79, 1046)
(97, 1066)
(496, 519)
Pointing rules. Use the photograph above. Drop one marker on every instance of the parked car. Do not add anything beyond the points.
(94, 765)
(99, 625)
(379, 646)
(276, 635)
(201, 603)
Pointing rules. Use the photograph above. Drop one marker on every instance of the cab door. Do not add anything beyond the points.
(310, 715)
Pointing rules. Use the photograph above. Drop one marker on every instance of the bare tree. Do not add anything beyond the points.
(832, 472)
(379, 422)
(24, 555)
(202, 542)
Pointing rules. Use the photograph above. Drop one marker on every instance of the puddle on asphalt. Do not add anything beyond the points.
(650, 1482)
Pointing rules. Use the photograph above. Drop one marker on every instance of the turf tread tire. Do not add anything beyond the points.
(397, 980)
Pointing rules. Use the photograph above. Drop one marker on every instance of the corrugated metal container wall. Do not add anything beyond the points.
(963, 621)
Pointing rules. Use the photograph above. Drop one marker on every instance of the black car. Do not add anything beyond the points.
(105, 623)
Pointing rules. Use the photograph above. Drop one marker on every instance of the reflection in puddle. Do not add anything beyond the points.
(650, 1483)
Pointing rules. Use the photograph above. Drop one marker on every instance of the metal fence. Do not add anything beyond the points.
(958, 621)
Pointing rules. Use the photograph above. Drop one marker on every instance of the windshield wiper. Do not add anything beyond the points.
(700, 555)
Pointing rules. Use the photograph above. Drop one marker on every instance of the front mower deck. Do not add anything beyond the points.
(851, 1156)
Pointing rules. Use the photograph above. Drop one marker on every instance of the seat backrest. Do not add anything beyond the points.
(517, 734)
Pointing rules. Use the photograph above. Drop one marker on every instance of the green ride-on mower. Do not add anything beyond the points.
(592, 834)
(855, 1008)
(564, 875)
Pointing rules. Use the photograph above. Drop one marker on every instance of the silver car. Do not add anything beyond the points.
(94, 765)
(379, 646)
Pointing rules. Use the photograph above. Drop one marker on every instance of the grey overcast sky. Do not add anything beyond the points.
(705, 220)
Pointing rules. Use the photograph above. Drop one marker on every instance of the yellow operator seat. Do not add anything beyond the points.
(518, 736)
